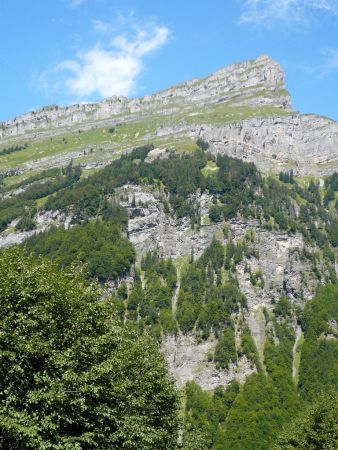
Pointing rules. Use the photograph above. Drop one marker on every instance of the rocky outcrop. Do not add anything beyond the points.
(188, 360)
(150, 228)
(44, 221)
(306, 143)
(11, 237)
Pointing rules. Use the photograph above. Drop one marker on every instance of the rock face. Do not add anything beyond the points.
(281, 271)
(276, 257)
(150, 228)
(188, 361)
(307, 143)
(44, 221)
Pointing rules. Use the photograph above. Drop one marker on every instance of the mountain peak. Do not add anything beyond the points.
(264, 57)
(250, 84)
(242, 110)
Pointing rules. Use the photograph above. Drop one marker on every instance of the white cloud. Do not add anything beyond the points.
(105, 69)
(265, 12)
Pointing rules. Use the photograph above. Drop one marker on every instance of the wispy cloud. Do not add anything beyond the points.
(75, 3)
(267, 12)
(330, 63)
(110, 67)
(102, 27)
(327, 64)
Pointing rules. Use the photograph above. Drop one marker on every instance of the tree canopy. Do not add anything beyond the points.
(72, 376)
(316, 428)
(99, 245)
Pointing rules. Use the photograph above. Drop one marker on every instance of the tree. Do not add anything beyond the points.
(99, 245)
(255, 417)
(203, 145)
(215, 213)
(72, 376)
(314, 429)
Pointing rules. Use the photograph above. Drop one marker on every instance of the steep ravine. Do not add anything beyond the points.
(296, 353)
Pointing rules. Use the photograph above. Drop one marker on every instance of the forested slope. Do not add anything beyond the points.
(267, 342)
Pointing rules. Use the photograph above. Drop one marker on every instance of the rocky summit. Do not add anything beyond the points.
(243, 110)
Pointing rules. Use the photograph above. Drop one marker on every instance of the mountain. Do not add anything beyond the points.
(208, 212)
(242, 110)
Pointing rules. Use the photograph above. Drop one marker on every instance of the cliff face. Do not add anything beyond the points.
(308, 143)
(277, 258)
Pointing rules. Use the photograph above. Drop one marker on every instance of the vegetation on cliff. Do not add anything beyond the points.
(253, 415)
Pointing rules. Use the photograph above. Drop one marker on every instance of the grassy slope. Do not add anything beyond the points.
(130, 134)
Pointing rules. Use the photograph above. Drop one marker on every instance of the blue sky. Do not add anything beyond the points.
(67, 51)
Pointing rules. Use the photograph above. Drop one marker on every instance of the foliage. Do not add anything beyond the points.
(12, 149)
(26, 223)
(316, 428)
(72, 376)
(255, 417)
(248, 347)
(286, 177)
(319, 358)
(99, 245)
(205, 415)
(265, 402)
(225, 351)
(148, 304)
(278, 359)
(203, 145)
(283, 307)
(205, 302)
